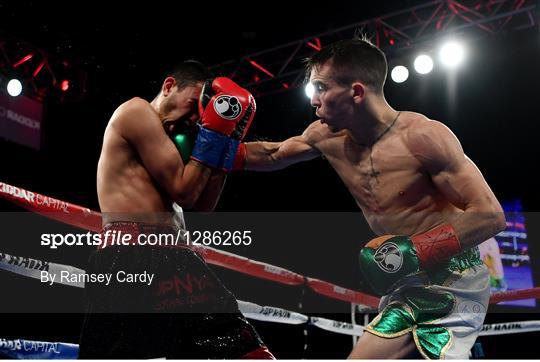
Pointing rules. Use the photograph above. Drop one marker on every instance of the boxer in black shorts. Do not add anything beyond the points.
(185, 312)
(147, 169)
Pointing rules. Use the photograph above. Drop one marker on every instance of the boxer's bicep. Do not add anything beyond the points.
(297, 149)
(459, 181)
(464, 186)
(453, 173)
(269, 156)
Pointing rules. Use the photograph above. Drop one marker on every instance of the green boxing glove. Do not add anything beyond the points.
(185, 142)
(388, 259)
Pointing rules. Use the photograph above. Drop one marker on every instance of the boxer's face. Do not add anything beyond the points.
(333, 102)
(181, 105)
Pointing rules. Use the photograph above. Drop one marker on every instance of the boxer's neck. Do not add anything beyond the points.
(157, 105)
(372, 121)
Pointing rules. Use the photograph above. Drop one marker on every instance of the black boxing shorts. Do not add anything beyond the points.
(185, 312)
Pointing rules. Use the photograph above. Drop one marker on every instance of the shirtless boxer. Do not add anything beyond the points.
(185, 312)
(410, 177)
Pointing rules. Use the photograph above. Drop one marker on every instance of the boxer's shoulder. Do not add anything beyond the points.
(433, 143)
(132, 111)
(132, 119)
(133, 106)
(316, 132)
(421, 131)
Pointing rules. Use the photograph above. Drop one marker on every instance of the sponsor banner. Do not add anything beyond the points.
(34, 268)
(20, 120)
(24, 349)
(270, 314)
(510, 328)
(337, 326)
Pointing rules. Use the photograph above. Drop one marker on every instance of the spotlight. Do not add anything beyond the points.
(14, 87)
(452, 54)
(423, 64)
(399, 74)
(310, 89)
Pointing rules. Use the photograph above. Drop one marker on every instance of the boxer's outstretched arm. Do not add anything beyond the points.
(459, 180)
(270, 156)
(140, 125)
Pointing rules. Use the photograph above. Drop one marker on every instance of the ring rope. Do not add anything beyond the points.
(85, 218)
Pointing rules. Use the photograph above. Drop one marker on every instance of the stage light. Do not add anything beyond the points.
(452, 54)
(310, 89)
(423, 64)
(399, 74)
(14, 87)
(64, 86)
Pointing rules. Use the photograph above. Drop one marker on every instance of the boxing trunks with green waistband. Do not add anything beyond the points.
(444, 308)
(183, 312)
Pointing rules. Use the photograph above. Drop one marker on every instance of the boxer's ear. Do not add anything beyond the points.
(358, 92)
(168, 85)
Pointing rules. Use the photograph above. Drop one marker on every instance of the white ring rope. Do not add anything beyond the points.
(32, 268)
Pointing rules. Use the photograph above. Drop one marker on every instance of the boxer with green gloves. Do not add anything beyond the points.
(427, 202)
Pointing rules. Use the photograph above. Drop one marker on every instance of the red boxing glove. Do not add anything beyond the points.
(436, 245)
(227, 111)
(223, 105)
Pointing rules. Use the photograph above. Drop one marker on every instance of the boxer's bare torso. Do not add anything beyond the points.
(123, 183)
(134, 142)
(388, 182)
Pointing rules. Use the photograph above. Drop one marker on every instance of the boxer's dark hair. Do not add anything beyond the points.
(354, 59)
(189, 72)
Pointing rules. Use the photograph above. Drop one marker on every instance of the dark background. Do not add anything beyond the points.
(125, 50)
